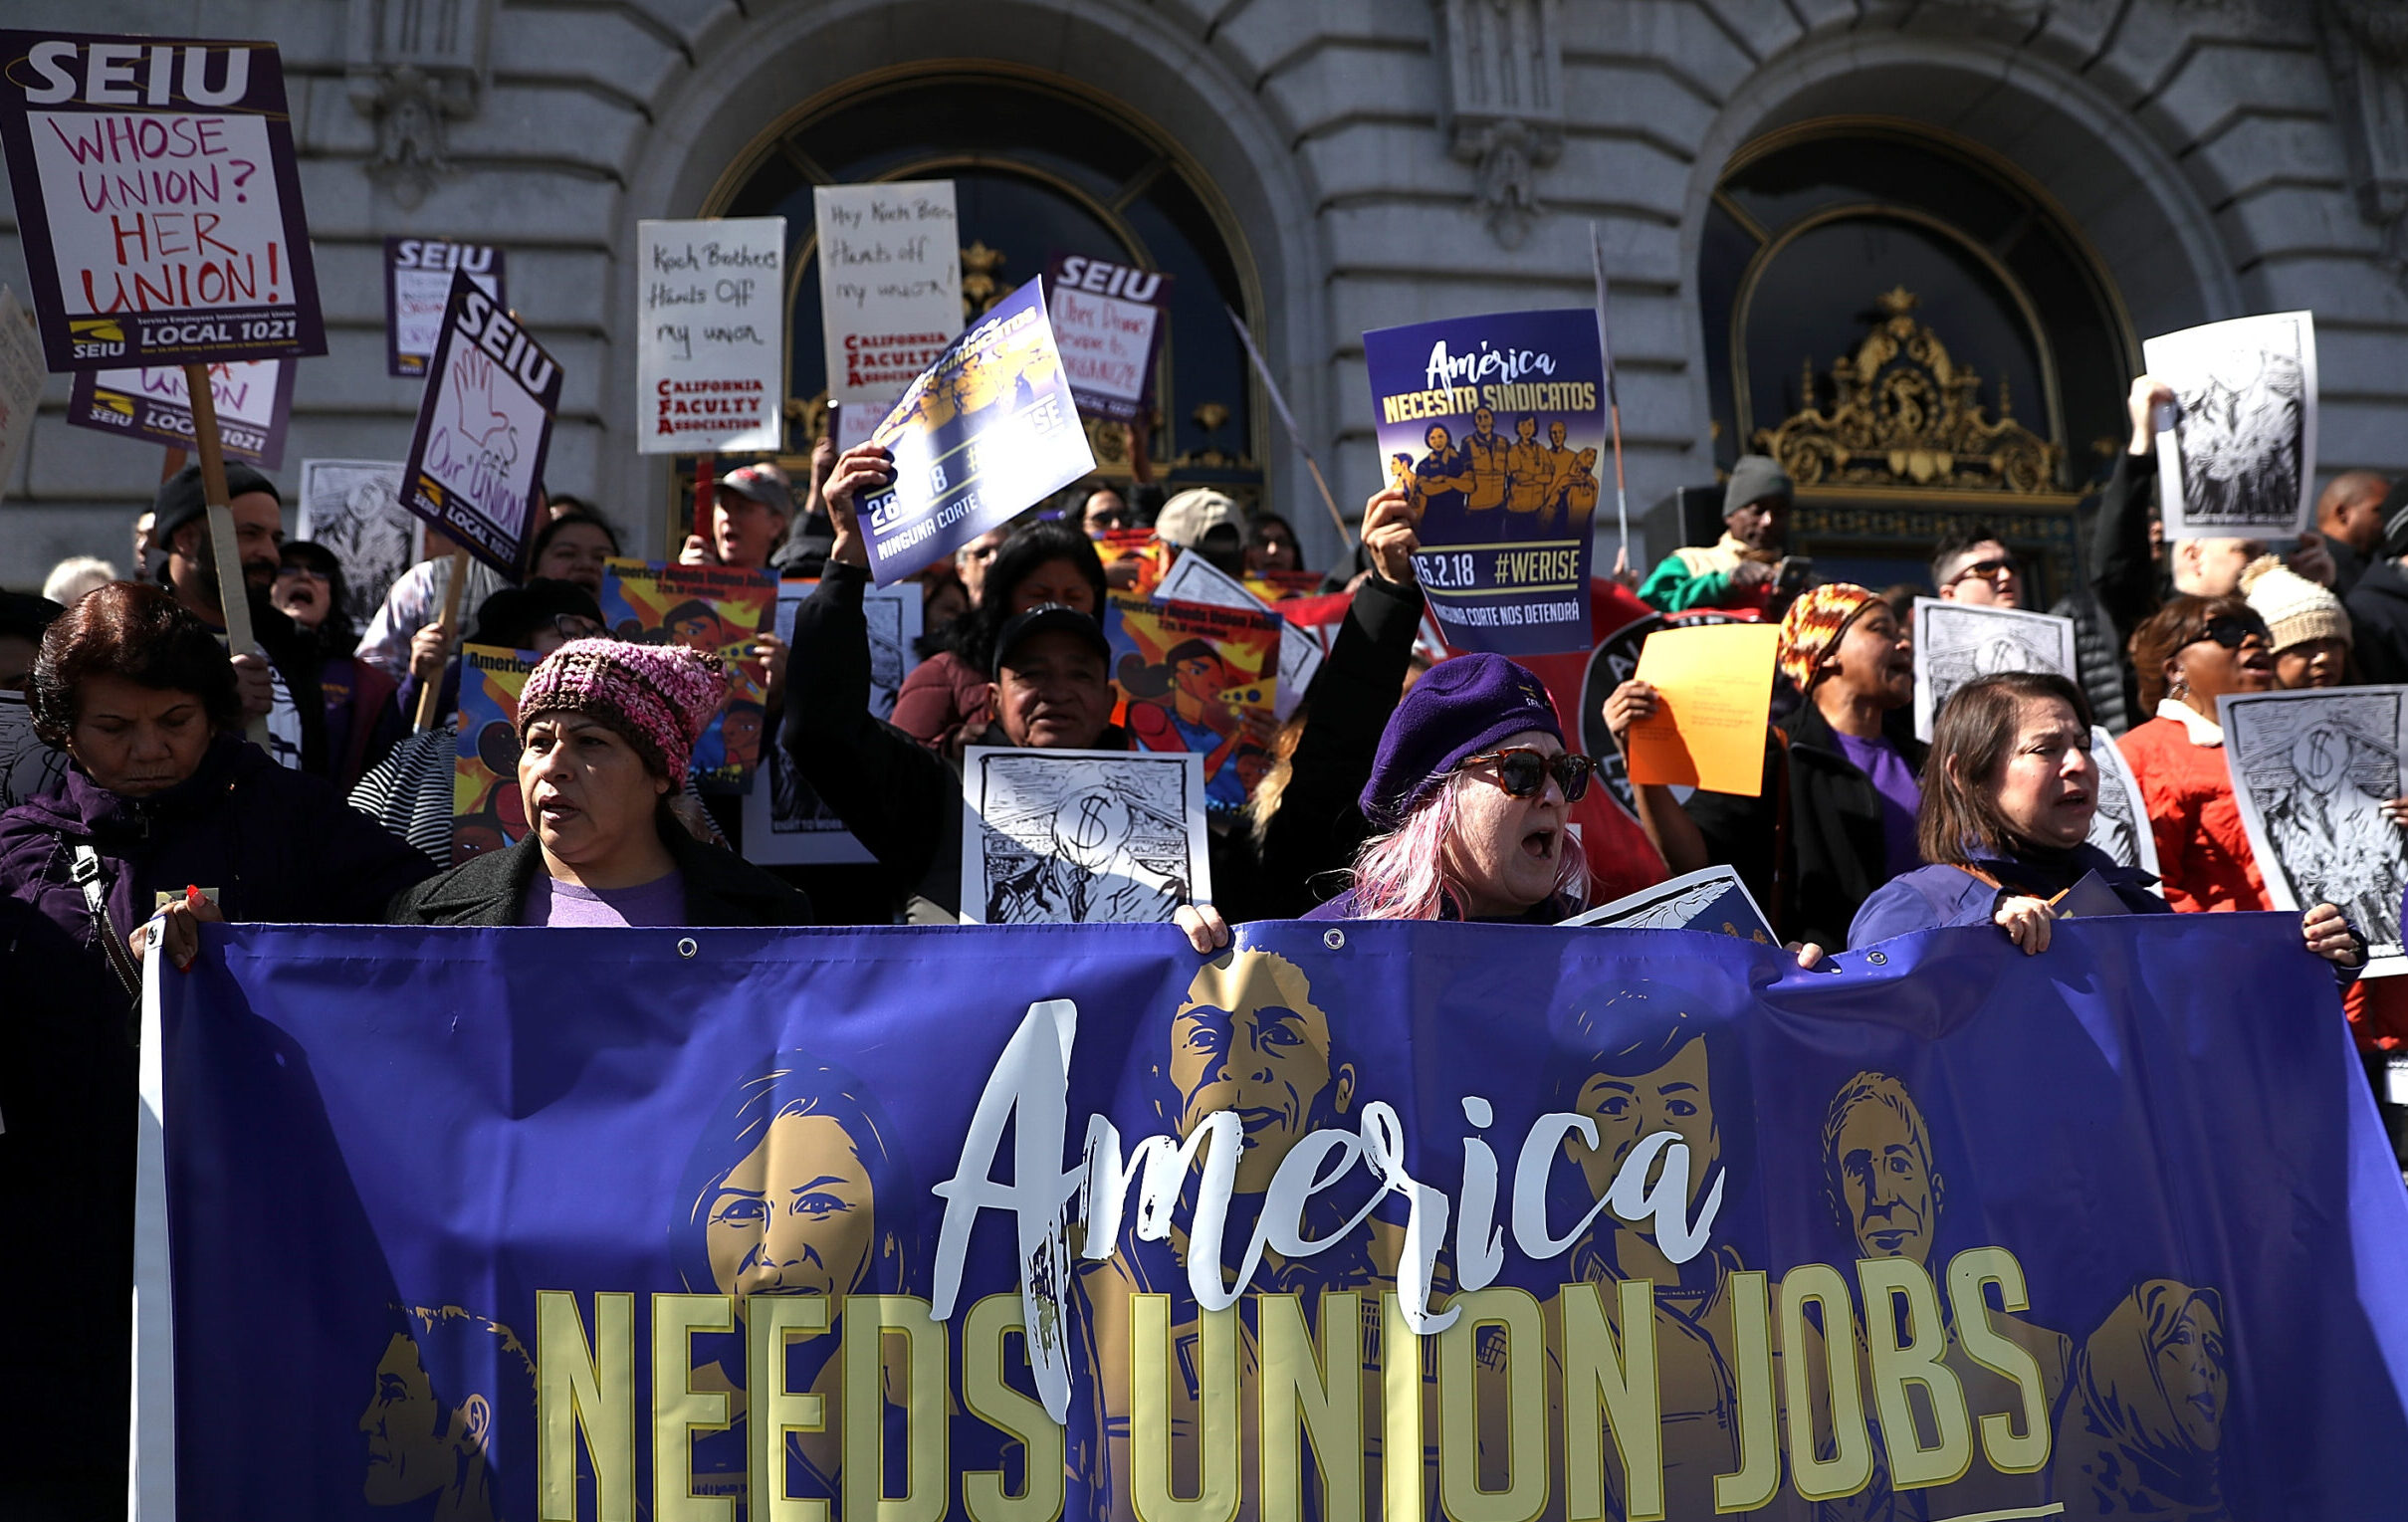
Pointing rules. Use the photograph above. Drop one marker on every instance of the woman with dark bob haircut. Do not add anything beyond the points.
(944, 703)
(162, 794)
(2009, 789)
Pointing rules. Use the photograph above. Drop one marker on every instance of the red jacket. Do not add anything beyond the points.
(2203, 852)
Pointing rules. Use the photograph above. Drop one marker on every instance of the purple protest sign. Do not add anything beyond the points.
(417, 288)
(1495, 425)
(483, 428)
(253, 402)
(986, 430)
(1108, 322)
(158, 200)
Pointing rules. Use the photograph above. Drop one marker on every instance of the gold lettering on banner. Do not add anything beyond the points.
(1845, 1466)
(2010, 1451)
(773, 1324)
(1607, 1388)
(1214, 1446)
(991, 1324)
(1315, 1390)
(869, 1320)
(679, 1411)
(587, 1387)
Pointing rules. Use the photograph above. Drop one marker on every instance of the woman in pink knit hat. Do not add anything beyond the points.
(607, 732)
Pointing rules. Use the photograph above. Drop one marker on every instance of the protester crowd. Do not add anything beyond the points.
(312, 780)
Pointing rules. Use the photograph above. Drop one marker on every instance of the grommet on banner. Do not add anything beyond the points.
(1878, 959)
(1335, 940)
(686, 948)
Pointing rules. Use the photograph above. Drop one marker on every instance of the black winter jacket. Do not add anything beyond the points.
(721, 888)
(900, 800)
(1814, 874)
(1319, 824)
(2378, 616)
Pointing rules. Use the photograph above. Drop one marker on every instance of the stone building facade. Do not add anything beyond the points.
(2033, 185)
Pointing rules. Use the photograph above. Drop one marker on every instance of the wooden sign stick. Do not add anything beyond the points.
(233, 592)
(706, 481)
(430, 694)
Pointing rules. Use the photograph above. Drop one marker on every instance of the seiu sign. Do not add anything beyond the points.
(110, 72)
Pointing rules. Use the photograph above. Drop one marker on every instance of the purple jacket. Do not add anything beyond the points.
(278, 846)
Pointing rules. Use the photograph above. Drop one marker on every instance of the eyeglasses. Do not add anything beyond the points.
(295, 572)
(1987, 570)
(577, 626)
(1523, 772)
(2232, 632)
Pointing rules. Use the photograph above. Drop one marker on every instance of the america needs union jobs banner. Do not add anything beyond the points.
(1368, 1220)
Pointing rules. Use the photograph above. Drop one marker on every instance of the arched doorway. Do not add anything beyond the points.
(1919, 334)
(1040, 165)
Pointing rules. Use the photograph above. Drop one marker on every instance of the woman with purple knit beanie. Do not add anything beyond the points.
(607, 732)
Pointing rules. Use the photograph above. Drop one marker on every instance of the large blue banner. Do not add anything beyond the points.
(1402, 1221)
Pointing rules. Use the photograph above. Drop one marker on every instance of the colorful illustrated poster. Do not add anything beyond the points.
(890, 291)
(253, 402)
(717, 610)
(1081, 837)
(1109, 320)
(157, 199)
(1496, 425)
(488, 812)
(1193, 677)
(2239, 458)
(418, 287)
(483, 426)
(710, 354)
(983, 432)
(21, 380)
(353, 509)
(1193, 578)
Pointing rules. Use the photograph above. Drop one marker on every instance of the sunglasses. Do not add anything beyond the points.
(2232, 632)
(1523, 772)
(1987, 570)
(577, 626)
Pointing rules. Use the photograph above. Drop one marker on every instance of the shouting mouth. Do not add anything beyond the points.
(1539, 844)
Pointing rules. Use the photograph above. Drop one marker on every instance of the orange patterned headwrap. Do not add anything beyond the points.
(1814, 624)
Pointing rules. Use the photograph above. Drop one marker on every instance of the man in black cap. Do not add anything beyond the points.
(183, 560)
(1051, 690)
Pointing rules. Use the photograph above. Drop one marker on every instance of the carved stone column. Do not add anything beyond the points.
(414, 67)
(1503, 66)
(2366, 48)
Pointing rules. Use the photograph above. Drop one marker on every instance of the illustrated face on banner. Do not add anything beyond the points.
(797, 1215)
(2189, 1367)
(442, 1389)
(784, 1189)
(1250, 1038)
(1629, 1107)
(409, 1447)
(1878, 1151)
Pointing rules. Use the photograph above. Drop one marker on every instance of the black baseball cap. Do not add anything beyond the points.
(1046, 618)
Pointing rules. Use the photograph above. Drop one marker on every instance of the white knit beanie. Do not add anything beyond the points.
(2294, 609)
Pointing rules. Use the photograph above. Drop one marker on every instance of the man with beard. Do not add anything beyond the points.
(283, 688)
(1247, 1039)
(1882, 1184)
